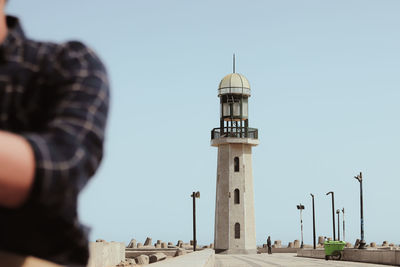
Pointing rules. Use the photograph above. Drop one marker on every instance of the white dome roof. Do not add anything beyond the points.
(234, 80)
(234, 83)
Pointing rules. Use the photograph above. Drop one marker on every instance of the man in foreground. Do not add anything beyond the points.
(53, 110)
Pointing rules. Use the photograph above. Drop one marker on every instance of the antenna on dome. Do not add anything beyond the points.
(234, 63)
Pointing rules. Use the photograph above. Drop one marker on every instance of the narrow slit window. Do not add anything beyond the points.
(236, 161)
(237, 230)
(237, 196)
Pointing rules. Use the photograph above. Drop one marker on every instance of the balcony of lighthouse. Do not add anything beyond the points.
(229, 135)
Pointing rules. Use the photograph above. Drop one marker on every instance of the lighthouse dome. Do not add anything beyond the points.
(234, 83)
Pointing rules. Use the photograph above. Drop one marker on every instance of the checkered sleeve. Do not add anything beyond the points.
(70, 147)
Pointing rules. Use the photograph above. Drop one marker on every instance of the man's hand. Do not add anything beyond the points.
(17, 169)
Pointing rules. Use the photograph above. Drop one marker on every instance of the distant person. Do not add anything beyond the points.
(269, 245)
(53, 110)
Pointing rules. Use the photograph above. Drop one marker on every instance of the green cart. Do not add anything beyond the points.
(334, 249)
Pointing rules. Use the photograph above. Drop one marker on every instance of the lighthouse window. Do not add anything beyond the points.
(237, 230)
(226, 109)
(236, 162)
(245, 108)
(236, 109)
(237, 197)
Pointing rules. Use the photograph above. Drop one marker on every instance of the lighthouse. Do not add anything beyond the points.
(235, 231)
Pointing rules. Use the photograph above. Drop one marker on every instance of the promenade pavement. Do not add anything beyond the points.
(282, 260)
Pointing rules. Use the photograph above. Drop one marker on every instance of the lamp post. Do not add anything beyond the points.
(194, 196)
(301, 208)
(362, 242)
(313, 220)
(344, 233)
(333, 213)
(338, 224)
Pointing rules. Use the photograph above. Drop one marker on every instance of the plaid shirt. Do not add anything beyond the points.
(56, 96)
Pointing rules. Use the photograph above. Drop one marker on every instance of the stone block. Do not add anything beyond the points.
(170, 244)
(139, 245)
(373, 245)
(148, 242)
(158, 245)
(180, 252)
(321, 240)
(349, 245)
(132, 244)
(164, 245)
(385, 244)
(296, 244)
(179, 242)
(290, 245)
(357, 243)
(127, 263)
(159, 242)
(157, 257)
(278, 243)
(142, 259)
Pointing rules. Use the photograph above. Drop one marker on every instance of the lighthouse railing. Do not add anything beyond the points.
(235, 132)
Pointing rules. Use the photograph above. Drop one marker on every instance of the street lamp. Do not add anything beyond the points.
(313, 220)
(338, 224)
(362, 242)
(344, 236)
(194, 196)
(301, 208)
(333, 213)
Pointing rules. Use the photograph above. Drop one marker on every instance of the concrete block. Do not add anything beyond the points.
(157, 257)
(104, 254)
(147, 242)
(180, 252)
(278, 243)
(164, 245)
(296, 243)
(142, 259)
(139, 245)
(132, 244)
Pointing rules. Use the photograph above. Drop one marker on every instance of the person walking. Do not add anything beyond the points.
(269, 245)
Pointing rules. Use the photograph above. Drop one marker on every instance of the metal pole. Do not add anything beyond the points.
(301, 208)
(194, 221)
(344, 233)
(338, 224)
(301, 221)
(333, 213)
(313, 217)
(362, 242)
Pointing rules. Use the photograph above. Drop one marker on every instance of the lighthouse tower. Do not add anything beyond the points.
(235, 231)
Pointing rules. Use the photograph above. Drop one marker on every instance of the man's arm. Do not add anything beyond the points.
(17, 168)
(57, 161)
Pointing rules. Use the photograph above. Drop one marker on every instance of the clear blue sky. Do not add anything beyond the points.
(325, 79)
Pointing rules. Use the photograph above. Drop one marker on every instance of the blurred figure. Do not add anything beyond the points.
(53, 110)
(269, 245)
